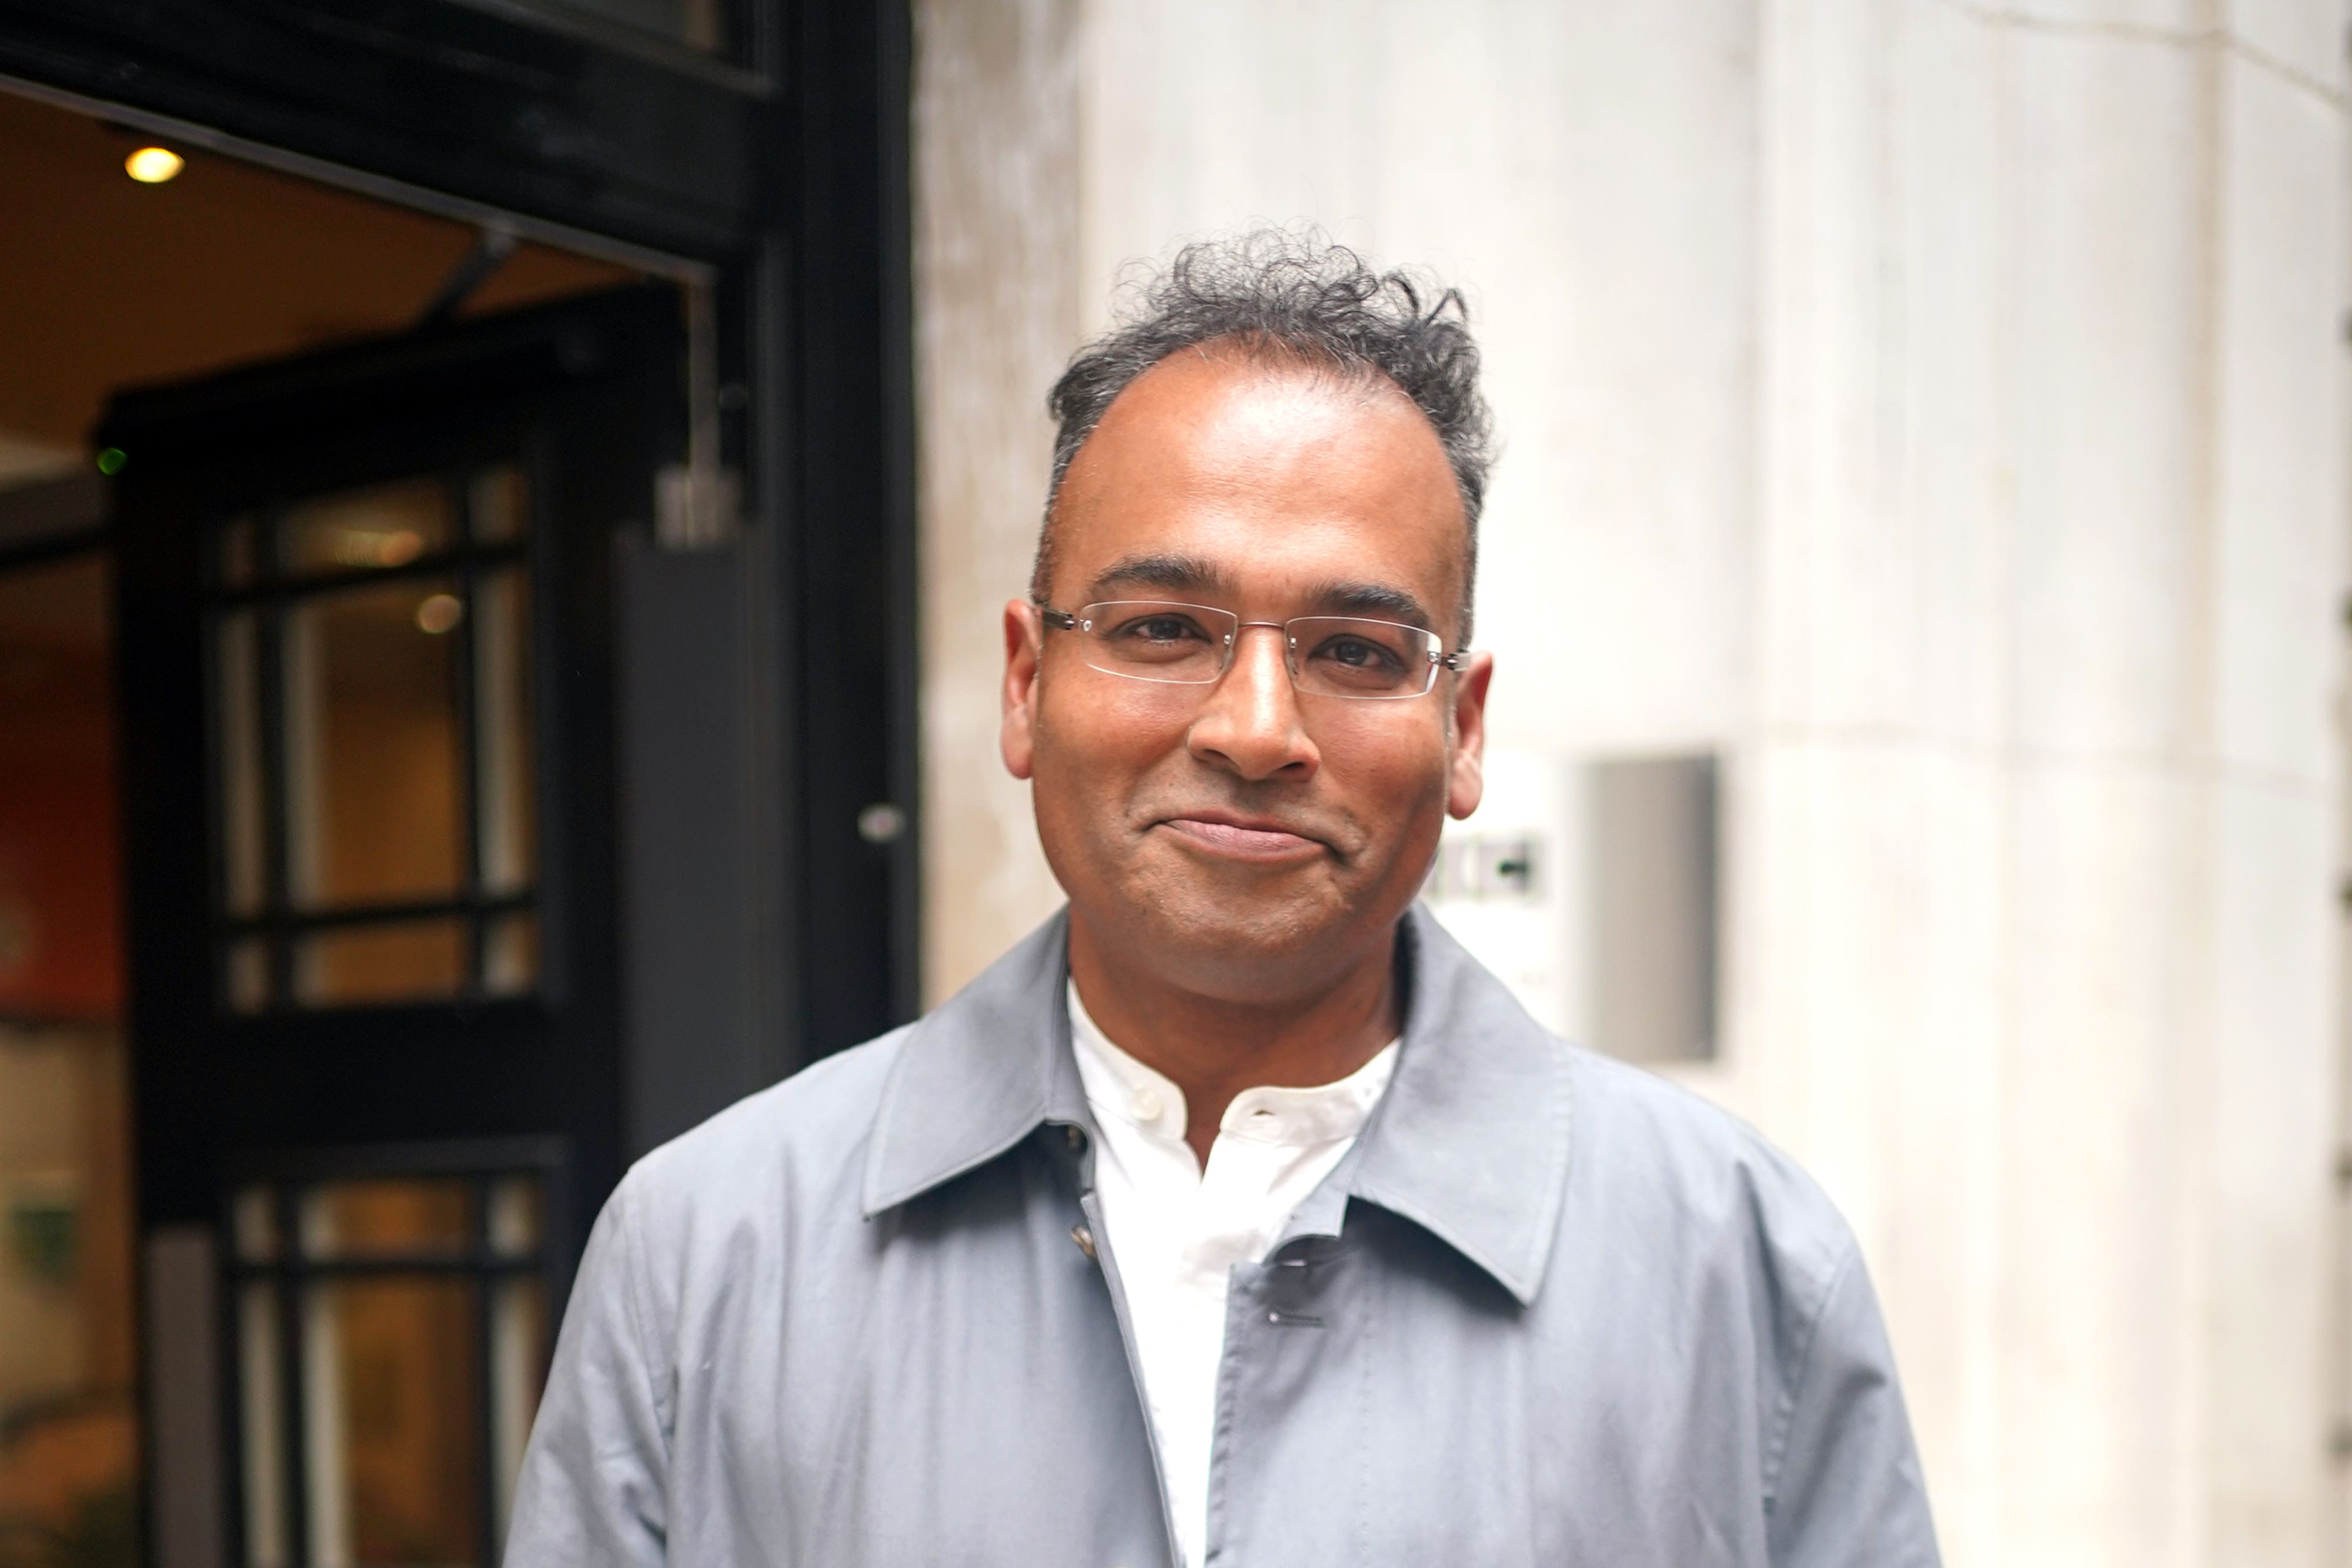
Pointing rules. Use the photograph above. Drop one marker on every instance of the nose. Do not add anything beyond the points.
(1250, 725)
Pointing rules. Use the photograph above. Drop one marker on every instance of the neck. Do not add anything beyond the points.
(1213, 1048)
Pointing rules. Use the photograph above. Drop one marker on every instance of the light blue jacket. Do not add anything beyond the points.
(1551, 1310)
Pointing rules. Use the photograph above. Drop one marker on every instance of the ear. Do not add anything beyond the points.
(1025, 646)
(1468, 782)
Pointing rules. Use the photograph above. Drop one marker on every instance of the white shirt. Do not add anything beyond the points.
(1177, 1234)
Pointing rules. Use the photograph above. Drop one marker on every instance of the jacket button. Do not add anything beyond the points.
(1085, 1239)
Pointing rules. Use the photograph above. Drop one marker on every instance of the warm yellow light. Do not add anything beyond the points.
(376, 547)
(154, 165)
(439, 613)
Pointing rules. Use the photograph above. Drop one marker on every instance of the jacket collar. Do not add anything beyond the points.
(1470, 1143)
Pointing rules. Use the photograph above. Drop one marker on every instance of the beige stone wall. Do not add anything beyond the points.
(997, 285)
(2038, 964)
(1938, 407)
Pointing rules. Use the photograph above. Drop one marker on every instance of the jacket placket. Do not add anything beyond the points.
(1093, 1238)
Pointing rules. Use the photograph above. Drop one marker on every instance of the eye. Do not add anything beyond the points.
(1158, 631)
(1360, 654)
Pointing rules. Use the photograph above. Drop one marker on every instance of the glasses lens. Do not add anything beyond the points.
(1339, 657)
(1152, 641)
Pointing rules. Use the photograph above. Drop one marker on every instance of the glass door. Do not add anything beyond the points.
(69, 1428)
(367, 643)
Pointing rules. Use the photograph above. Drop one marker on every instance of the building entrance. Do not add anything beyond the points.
(454, 552)
(297, 1063)
(366, 609)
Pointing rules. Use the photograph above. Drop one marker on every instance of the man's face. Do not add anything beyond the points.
(1242, 840)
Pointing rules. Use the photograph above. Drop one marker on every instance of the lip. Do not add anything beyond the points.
(1236, 837)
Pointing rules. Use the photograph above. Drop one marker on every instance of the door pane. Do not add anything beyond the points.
(519, 1352)
(240, 552)
(261, 1426)
(410, 961)
(372, 781)
(510, 955)
(699, 25)
(237, 671)
(422, 1346)
(248, 975)
(69, 1435)
(503, 729)
(394, 1429)
(495, 502)
(382, 525)
(354, 1218)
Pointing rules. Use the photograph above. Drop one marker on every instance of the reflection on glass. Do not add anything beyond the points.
(382, 525)
(512, 1221)
(353, 714)
(372, 789)
(394, 1426)
(328, 1537)
(502, 729)
(69, 1428)
(518, 1367)
(405, 962)
(699, 25)
(240, 553)
(413, 1350)
(510, 955)
(261, 1422)
(356, 1219)
(253, 1219)
(248, 975)
(238, 672)
(494, 500)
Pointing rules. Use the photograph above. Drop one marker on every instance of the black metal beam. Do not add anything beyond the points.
(852, 563)
(496, 108)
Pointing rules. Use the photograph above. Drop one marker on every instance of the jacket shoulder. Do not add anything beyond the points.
(810, 1129)
(1654, 1153)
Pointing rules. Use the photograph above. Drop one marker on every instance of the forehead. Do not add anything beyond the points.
(1270, 480)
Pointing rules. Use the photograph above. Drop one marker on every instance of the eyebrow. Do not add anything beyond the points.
(1174, 573)
(1372, 601)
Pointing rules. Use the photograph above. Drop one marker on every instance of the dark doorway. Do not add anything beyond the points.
(492, 693)
(367, 649)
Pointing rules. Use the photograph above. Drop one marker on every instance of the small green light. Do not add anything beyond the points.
(111, 461)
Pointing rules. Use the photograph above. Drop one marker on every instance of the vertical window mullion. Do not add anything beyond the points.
(486, 1386)
(269, 642)
(470, 784)
(293, 1395)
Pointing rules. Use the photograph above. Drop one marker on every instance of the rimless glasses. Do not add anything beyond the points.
(1192, 645)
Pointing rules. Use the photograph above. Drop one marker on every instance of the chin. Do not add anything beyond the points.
(1255, 949)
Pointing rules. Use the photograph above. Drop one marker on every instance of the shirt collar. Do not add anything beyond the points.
(1470, 1142)
(1118, 1086)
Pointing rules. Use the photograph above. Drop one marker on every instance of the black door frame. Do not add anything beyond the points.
(779, 175)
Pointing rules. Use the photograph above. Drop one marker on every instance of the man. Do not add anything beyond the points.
(1236, 1215)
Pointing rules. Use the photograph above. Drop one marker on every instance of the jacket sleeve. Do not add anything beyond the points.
(595, 1490)
(1845, 1487)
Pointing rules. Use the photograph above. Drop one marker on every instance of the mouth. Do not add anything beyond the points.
(1234, 837)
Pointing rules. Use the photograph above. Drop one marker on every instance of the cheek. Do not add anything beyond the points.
(1396, 785)
(1093, 741)
(1380, 757)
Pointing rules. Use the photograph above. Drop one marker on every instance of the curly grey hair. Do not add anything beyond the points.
(1290, 294)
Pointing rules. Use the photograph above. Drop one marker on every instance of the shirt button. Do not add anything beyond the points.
(1145, 1102)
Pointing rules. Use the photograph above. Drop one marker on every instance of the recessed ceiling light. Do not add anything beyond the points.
(154, 165)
